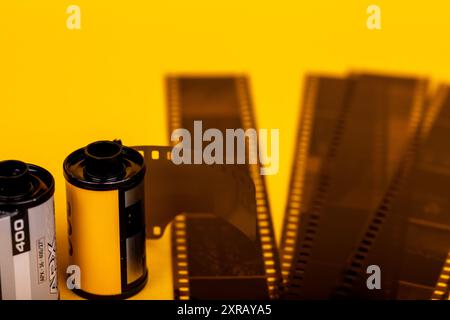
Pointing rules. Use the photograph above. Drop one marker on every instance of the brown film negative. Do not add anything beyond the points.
(412, 235)
(352, 281)
(323, 107)
(211, 259)
(426, 202)
(372, 135)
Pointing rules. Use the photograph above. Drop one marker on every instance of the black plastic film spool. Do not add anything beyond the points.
(104, 165)
(24, 185)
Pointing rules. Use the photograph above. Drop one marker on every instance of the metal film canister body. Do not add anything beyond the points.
(105, 209)
(27, 233)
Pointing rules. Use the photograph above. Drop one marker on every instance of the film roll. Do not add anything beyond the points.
(105, 209)
(27, 233)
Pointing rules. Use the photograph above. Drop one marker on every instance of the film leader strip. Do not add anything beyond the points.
(227, 192)
(202, 260)
(413, 232)
(349, 171)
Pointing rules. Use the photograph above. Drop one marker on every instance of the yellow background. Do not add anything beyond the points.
(61, 89)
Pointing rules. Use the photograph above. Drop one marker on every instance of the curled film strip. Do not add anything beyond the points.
(227, 192)
(221, 102)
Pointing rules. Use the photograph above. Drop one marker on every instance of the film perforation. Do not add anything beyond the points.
(274, 278)
(180, 263)
(288, 241)
(441, 291)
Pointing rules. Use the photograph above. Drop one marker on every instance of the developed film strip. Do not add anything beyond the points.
(425, 200)
(356, 266)
(323, 107)
(411, 236)
(377, 118)
(203, 259)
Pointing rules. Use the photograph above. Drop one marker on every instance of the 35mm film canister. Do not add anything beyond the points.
(27, 233)
(105, 209)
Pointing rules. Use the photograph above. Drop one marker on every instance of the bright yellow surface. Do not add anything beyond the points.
(61, 89)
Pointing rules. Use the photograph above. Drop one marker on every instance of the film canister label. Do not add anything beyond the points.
(28, 264)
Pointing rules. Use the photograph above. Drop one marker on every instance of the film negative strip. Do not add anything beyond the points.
(356, 266)
(323, 107)
(206, 266)
(412, 234)
(427, 226)
(370, 138)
